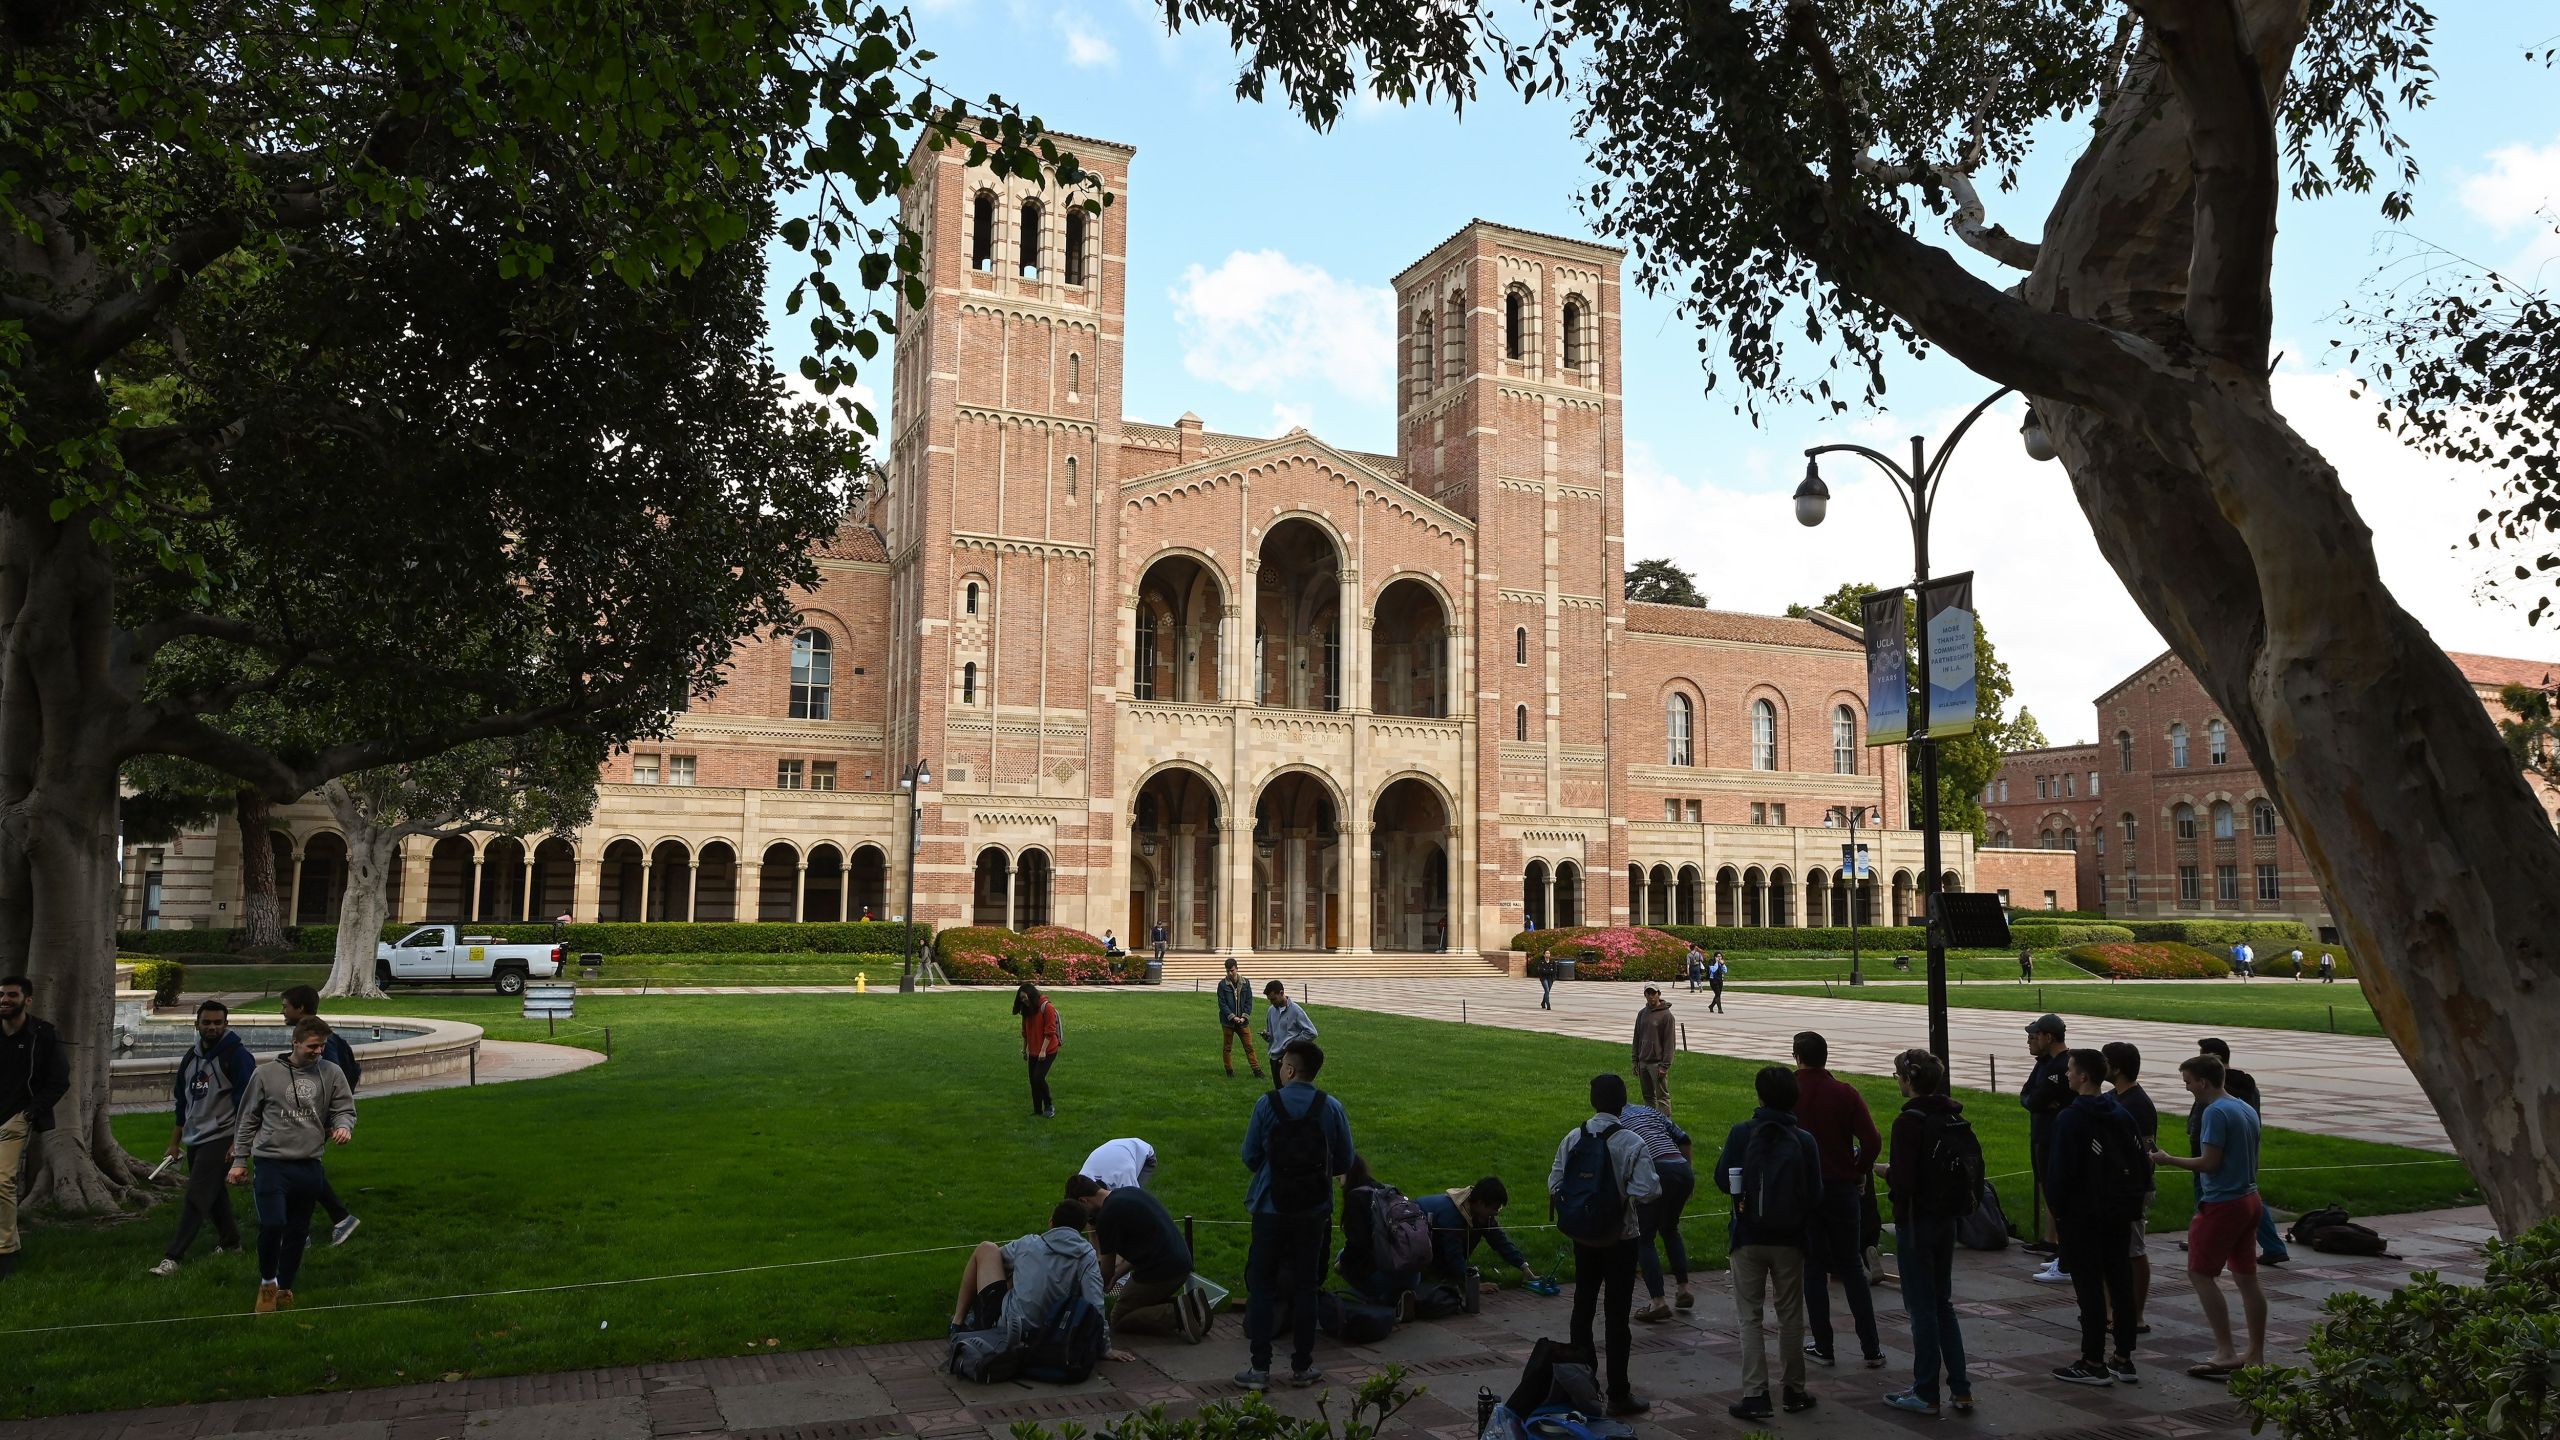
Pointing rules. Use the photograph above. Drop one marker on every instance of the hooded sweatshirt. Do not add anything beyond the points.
(208, 1088)
(290, 1109)
(1043, 1270)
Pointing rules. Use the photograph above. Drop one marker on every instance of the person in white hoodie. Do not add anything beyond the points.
(1620, 1172)
(1018, 1286)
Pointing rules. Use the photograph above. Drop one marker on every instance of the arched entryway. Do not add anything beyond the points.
(867, 883)
(1691, 891)
(451, 873)
(1782, 893)
(715, 882)
(778, 884)
(618, 883)
(1659, 895)
(1902, 897)
(1728, 897)
(1636, 909)
(991, 892)
(1173, 861)
(822, 894)
(1297, 854)
(670, 894)
(1031, 885)
(502, 882)
(1755, 889)
(1297, 640)
(555, 878)
(1409, 868)
(320, 879)
(1568, 893)
(1409, 652)
(1817, 898)
(1182, 610)
(1533, 896)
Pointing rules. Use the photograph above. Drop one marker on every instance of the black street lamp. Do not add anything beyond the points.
(918, 776)
(1917, 488)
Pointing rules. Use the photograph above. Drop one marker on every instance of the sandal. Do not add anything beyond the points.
(2211, 1371)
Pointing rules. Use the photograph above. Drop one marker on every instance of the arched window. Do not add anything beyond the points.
(2070, 837)
(1075, 245)
(2098, 833)
(2004, 790)
(1075, 373)
(1573, 333)
(2221, 819)
(2124, 750)
(1453, 345)
(1031, 238)
(1425, 357)
(2044, 841)
(1515, 324)
(1844, 740)
(982, 231)
(2184, 817)
(2217, 742)
(971, 604)
(969, 683)
(813, 663)
(2178, 747)
(1764, 735)
(2262, 819)
(1676, 724)
(2132, 888)
(1520, 646)
(2131, 830)
(1071, 477)
(1520, 722)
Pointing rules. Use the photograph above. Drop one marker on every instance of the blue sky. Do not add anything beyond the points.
(1260, 251)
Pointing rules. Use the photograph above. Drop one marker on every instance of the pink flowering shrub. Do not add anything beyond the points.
(1043, 954)
(1624, 952)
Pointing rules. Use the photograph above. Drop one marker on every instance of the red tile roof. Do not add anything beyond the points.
(1646, 618)
(2498, 670)
(857, 541)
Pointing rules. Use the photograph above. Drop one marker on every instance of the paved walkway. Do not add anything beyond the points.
(2015, 1333)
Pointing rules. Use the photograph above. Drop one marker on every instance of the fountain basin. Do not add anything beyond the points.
(393, 1049)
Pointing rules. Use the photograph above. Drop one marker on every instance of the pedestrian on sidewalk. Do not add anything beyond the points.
(1043, 1036)
(2046, 1091)
(1543, 969)
(1933, 1178)
(2100, 1173)
(212, 1077)
(1235, 1021)
(1695, 967)
(1158, 937)
(2328, 968)
(2242, 1087)
(35, 1073)
(1283, 1024)
(2026, 966)
(2124, 1077)
(1715, 982)
(297, 1105)
(1657, 1040)
(1844, 1134)
(300, 1003)
(1773, 1171)
(2297, 962)
(1602, 1176)
(1668, 1146)
(1297, 1144)
(2227, 1211)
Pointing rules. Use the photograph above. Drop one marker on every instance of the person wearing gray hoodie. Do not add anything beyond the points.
(297, 1104)
(211, 1078)
(1017, 1287)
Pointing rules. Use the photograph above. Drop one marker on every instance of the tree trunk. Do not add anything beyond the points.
(261, 921)
(371, 852)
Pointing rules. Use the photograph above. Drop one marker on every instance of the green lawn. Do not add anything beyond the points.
(2268, 1004)
(734, 1131)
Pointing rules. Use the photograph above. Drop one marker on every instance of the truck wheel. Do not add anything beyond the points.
(511, 982)
(382, 975)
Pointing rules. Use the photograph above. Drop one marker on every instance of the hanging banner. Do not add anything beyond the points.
(1888, 669)
(1947, 645)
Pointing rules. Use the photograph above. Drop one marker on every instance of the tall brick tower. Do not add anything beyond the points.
(1508, 410)
(1003, 425)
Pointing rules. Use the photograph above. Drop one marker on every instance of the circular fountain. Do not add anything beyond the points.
(393, 1049)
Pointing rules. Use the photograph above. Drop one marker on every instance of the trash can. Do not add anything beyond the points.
(590, 964)
(1155, 972)
(1565, 968)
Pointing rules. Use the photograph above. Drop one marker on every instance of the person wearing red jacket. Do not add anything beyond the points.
(1833, 1112)
(1042, 1038)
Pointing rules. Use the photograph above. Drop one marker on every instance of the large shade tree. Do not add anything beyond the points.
(449, 317)
(1791, 170)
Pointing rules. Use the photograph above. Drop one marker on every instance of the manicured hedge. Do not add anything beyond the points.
(849, 937)
(2038, 935)
(165, 979)
(1043, 955)
(1747, 938)
(2226, 933)
(2164, 960)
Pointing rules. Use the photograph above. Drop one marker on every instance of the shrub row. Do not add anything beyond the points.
(2163, 960)
(1748, 939)
(2226, 933)
(744, 961)
(165, 979)
(1043, 955)
(847, 937)
(2038, 935)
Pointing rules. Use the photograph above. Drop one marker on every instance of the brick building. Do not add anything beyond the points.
(2166, 815)
(1270, 693)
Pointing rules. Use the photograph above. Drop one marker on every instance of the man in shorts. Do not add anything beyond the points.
(2225, 1231)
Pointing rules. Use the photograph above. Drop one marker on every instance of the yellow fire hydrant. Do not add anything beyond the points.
(861, 983)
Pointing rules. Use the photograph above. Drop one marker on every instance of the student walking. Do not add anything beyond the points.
(1835, 1115)
(2046, 1091)
(1157, 937)
(1297, 1144)
(300, 1003)
(1668, 1147)
(1601, 1177)
(1657, 1040)
(35, 1074)
(1773, 1171)
(2242, 1087)
(296, 1105)
(212, 1076)
(1283, 1024)
(2227, 1211)
(2026, 966)
(2297, 962)
(1696, 968)
(1715, 983)
(2124, 1079)
(1043, 1036)
(1933, 1178)
(1235, 1021)
(2099, 1174)
(1544, 969)
(2328, 968)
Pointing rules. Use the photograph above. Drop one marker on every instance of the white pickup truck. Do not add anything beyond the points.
(435, 955)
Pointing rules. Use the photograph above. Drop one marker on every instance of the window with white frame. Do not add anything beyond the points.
(786, 774)
(2184, 817)
(679, 769)
(2221, 819)
(2262, 819)
(822, 775)
(1675, 718)
(1844, 740)
(644, 769)
(1764, 735)
(2178, 747)
(2217, 742)
(2270, 888)
(813, 663)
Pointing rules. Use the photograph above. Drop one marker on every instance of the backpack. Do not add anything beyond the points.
(1438, 1300)
(1951, 1169)
(1777, 1194)
(1065, 1350)
(2312, 1222)
(1299, 1158)
(1399, 1233)
(2349, 1238)
(983, 1356)
(1986, 1226)
(1590, 1206)
(2118, 1173)
(1353, 1322)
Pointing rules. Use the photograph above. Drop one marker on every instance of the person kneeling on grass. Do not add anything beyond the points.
(296, 1104)
(1018, 1287)
(1144, 1254)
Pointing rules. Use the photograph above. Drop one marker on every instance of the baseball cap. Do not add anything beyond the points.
(2049, 1023)
(1653, 989)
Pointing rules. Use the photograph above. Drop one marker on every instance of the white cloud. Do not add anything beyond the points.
(1286, 417)
(2520, 190)
(1086, 48)
(1264, 324)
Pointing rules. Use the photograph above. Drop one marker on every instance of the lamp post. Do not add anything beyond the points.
(1854, 857)
(918, 776)
(1917, 488)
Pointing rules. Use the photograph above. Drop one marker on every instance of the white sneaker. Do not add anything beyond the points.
(2051, 1274)
(339, 1232)
(165, 1267)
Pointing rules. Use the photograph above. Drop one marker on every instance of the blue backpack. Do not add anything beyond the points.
(1065, 1350)
(1590, 1208)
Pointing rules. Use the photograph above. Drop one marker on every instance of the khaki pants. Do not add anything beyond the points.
(1145, 1308)
(1655, 1079)
(13, 1149)
(1757, 1270)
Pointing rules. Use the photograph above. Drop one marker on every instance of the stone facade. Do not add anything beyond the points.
(1266, 692)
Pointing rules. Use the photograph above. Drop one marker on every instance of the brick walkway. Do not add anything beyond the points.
(2015, 1332)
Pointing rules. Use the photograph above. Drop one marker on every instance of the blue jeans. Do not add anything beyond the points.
(1285, 1261)
(1546, 992)
(1926, 1246)
(286, 1191)
(2269, 1241)
(1662, 1218)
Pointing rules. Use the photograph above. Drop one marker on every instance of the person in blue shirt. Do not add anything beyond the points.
(1297, 1144)
(2224, 1233)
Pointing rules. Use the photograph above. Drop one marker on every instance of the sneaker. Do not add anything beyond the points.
(1752, 1407)
(266, 1298)
(284, 1299)
(1192, 1307)
(1653, 1314)
(1408, 1305)
(1963, 1404)
(1685, 1300)
(2121, 1367)
(1796, 1402)
(165, 1267)
(1820, 1354)
(339, 1232)
(1909, 1400)
(2051, 1274)
(2273, 1259)
(1629, 1405)
(1253, 1379)
(1875, 1361)
(1304, 1378)
(2081, 1372)
(226, 1249)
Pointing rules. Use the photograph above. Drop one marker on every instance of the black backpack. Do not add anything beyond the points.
(2118, 1172)
(1299, 1157)
(1353, 1322)
(1777, 1194)
(1064, 1351)
(1590, 1206)
(2332, 1233)
(1951, 1168)
(1986, 1226)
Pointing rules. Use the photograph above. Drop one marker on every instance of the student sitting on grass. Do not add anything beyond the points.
(1018, 1287)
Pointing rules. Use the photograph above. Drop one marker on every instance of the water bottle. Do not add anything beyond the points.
(1484, 1408)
